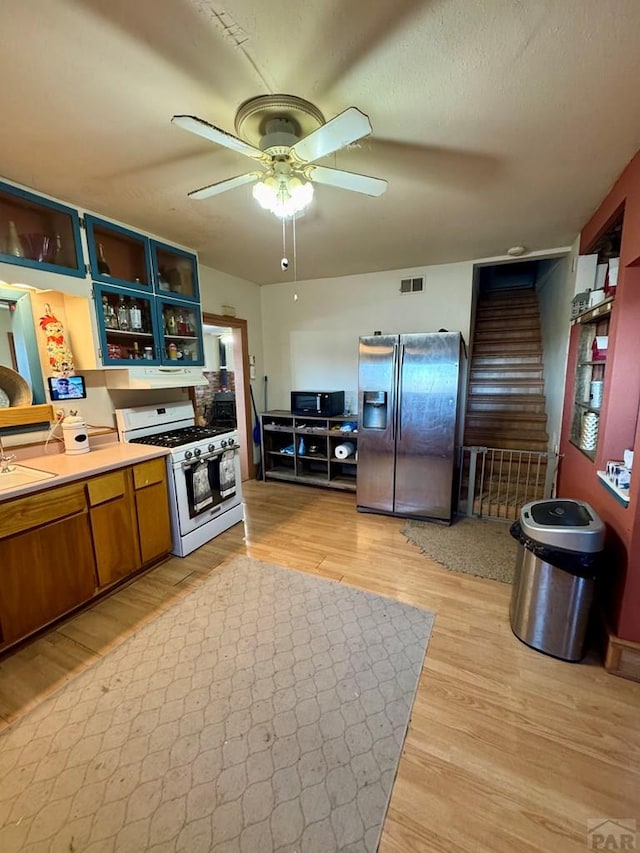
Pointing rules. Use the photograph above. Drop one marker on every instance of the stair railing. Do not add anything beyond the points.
(495, 482)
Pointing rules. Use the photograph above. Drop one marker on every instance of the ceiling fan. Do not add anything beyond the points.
(285, 135)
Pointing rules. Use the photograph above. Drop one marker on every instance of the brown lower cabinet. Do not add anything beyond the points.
(152, 509)
(46, 565)
(62, 546)
(113, 526)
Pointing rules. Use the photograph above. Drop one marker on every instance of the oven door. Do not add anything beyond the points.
(205, 487)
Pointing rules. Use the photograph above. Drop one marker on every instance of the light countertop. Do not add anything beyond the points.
(66, 467)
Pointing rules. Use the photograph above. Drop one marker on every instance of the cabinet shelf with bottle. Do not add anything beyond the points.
(175, 271)
(127, 325)
(118, 256)
(39, 233)
(180, 328)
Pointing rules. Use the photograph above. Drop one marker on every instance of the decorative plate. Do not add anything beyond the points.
(4, 400)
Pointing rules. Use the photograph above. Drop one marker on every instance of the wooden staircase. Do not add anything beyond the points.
(506, 403)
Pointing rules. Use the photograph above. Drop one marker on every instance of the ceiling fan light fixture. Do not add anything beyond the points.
(284, 196)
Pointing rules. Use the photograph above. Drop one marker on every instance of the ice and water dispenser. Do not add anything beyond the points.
(374, 409)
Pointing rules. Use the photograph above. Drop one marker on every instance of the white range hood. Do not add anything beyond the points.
(154, 377)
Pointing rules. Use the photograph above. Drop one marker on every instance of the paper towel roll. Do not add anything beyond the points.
(342, 451)
(589, 431)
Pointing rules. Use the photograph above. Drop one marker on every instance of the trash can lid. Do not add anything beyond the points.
(559, 513)
(562, 523)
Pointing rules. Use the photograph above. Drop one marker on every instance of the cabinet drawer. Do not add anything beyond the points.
(106, 488)
(146, 473)
(41, 508)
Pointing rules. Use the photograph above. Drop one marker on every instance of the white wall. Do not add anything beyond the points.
(555, 288)
(312, 342)
(218, 289)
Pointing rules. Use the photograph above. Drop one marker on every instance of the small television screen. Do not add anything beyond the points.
(67, 387)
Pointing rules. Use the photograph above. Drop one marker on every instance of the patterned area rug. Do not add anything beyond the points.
(265, 711)
(475, 546)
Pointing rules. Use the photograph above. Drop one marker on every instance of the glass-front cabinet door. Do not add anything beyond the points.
(181, 331)
(117, 255)
(128, 326)
(175, 271)
(39, 233)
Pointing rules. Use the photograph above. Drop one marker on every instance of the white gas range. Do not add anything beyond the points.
(203, 470)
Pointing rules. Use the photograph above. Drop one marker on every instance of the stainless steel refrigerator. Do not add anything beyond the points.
(408, 433)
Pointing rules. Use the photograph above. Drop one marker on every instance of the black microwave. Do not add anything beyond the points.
(323, 403)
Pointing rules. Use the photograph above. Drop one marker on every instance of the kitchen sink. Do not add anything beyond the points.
(21, 475)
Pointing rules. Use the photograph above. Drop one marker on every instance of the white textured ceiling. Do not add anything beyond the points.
(496, 122)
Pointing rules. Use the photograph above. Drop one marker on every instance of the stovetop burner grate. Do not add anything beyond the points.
(178, 437)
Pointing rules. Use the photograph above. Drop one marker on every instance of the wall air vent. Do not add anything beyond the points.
(412, 285)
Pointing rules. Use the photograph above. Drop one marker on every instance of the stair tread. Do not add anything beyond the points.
(508, 359)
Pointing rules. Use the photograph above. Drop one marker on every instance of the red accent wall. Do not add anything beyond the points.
(619, 427)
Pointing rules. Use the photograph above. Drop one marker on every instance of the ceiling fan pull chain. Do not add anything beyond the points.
(295, 259)
(295, 251)
(284, 263)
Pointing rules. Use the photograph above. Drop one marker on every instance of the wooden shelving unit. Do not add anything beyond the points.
(315, 463)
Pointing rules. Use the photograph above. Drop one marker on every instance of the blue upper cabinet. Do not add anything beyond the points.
(118, 256)
(179, 326)
(175, 272)
(38, 233)
(128, 325)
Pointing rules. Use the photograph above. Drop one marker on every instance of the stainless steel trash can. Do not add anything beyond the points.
(560, 543)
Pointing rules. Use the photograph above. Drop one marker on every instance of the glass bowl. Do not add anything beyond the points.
(38, 247)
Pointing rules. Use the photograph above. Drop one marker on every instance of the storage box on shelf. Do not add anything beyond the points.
(39, 233)
(302, 448)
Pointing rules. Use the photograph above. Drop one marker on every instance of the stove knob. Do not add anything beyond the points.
(224, 442)
(188, 454)
(212, 447)
(196, 452)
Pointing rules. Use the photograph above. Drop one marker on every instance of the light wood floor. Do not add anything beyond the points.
(508, 750)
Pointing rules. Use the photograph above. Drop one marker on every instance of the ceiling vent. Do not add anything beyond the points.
(412, 285)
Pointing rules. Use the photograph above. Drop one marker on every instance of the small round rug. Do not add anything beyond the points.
(475, 546)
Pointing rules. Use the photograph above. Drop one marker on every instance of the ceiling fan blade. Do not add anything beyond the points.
(216, 134)
(335, 134)
(223, 186)
(346, 180)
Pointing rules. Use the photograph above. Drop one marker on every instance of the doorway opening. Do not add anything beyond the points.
(227, 398)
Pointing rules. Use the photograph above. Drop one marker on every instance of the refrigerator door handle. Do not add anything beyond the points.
(400, 392)
(394, 392)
